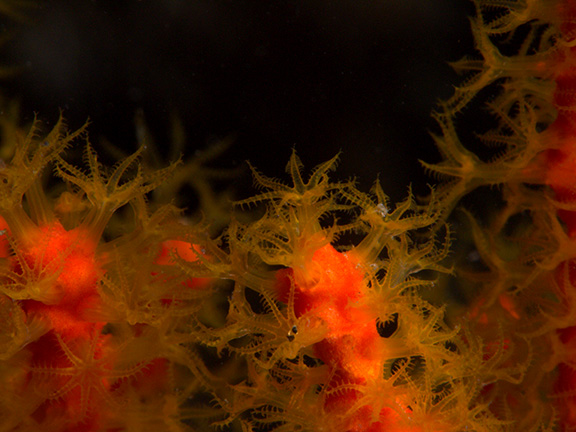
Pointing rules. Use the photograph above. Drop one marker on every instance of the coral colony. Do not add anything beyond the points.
(319, 307)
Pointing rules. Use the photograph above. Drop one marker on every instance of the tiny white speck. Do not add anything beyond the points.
(382, 210)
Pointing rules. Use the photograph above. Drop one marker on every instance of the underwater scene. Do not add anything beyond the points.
(261, 216)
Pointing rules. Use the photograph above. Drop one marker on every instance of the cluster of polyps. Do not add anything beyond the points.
(332, 317)
(77, 334)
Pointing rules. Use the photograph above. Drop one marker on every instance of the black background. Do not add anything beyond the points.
(319, 76)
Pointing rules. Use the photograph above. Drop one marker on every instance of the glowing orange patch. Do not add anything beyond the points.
(70, 256)
(188, 252)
